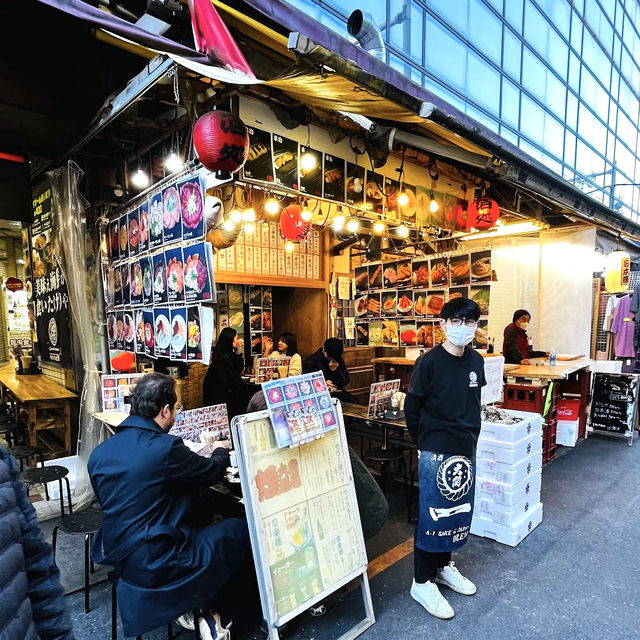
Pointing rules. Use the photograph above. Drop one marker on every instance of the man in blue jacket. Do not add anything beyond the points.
(32, 605)
(156, 529)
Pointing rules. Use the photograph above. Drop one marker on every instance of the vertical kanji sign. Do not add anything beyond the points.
(50, 294)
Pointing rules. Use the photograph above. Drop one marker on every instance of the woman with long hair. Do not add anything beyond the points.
(288, 348)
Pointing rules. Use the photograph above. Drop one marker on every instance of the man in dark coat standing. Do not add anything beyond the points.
(155, 531)
(32, 605)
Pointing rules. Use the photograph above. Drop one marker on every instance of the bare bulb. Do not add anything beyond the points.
(140, 179)
(338, 223)
(306, 215)
(403, 199)
(173, 162)
(379, 227)
(308, 162)
(433, 205)
(353, 225)
(403, 231)
(235, 216)
(228, 225)
(249, 215)
(272, 206)
(288, 246)
(249, 228)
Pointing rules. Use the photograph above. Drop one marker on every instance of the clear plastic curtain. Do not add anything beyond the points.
(68, 241)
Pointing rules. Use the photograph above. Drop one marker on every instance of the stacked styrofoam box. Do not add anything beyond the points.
(568, 421)
(508, 479)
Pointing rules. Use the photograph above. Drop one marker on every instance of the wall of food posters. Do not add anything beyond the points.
(190, 424)
(303, 516)
(116, 390)
(398, 303)
(159, 276)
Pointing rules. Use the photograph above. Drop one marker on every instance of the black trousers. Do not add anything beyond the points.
(426, 565)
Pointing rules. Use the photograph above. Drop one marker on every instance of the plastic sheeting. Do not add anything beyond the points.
(68, 239)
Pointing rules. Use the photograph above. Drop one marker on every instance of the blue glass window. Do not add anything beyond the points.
(576, 32)
(513, 14)
(559, 12)
(445, 55)
(569, 149)
(510, 110)
(534, 75)
(407, 35)
(531, 119)
(483, 83)
(572, 111)
(455, 14)
(485, 31)
(553, 131)
(512, 55)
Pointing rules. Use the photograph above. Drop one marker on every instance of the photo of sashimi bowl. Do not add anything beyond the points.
(162, 329)
(171, 207)
(160, 279)
(178, 333)
(143, 231)
(136, 280)
(111, 327)
(195, 273)
(175, 275)
(191, 202)
(193, 335)
(134, 233)
(155, 217)
(148, 335)
(146, 279)
(139, 327)
(128, 327)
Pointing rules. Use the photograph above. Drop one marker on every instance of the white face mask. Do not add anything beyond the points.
(524, 325)
(460, 336)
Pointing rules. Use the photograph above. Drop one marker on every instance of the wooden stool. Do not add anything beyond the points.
(43, 475)
(84, 523)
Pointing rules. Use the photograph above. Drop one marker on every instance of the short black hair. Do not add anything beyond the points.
(460, 308)
(291, 341)
(151, 394)
(334, 348)
(519, 314)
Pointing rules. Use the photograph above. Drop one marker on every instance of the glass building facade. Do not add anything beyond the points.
(559, 79)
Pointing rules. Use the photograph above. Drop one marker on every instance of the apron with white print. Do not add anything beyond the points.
(447, 490)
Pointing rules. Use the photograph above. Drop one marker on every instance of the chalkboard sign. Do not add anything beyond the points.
(303, 519)
(613, 405)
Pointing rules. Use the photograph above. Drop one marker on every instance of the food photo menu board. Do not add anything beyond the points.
(190, 424)
(300, 408)
(116, 390)
(398, 303)
(380, 397)
(303, 517)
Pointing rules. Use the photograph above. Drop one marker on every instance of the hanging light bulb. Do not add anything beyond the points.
(338, 222)
(403, 231)
(235, 215)
(228, 225)
(379, 227)
(173, 162)
(306, 213)
(353, 225)
(272, 206)
(249, 215)
(288, 246)
(433, 203)
(308, 162)
(249, 228)
(403, 199)
(140, 179)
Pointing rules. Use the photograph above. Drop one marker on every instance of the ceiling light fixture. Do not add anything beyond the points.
(272, 206)
(403, 231)
(353, 225)
(235, 216)
(249, 228)
(530, 226)
(308, 162)
(289, 246)
(338, 222)
(403, 199)
(228, 225)
(173, 162)
(379, 227)
(249, 215)
(433, 203)
(140, 179)
(306, 213)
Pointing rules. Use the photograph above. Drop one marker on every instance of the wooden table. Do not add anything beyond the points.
(41, 403)
(359, 413)
(543, 371)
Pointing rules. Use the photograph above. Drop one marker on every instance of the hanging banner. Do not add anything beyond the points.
(50, 294)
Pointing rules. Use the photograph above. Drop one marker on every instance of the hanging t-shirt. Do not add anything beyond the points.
(623, 327)
(612, 305)
(450, 390)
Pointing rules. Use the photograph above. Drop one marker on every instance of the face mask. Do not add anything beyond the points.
(524, 325)
(460, 336)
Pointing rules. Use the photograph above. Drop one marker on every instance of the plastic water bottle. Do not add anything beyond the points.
(552, 358)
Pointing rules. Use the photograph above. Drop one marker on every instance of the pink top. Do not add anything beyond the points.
(623, 327)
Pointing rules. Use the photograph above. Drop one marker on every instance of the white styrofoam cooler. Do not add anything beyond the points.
(71, 463)
(567, 433)
(509, 473)
(509, 535)
(509, 452)
(529, 423)
(507, 494)
(507, 514)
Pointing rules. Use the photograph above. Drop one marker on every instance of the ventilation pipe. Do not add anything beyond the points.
(361, 26)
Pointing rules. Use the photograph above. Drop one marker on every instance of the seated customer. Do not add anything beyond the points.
(152, 490)
(328, 359)
(222, 383)
(288, 348)
(515, 347)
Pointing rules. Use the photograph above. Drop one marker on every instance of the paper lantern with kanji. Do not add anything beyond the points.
(221, 141)
(291, 224)
(482, 213)
(616, 272)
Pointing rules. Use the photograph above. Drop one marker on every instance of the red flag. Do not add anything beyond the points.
(213, 38)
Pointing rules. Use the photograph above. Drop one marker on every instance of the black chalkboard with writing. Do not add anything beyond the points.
(614, 402)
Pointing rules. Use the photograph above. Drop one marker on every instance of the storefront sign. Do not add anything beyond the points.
(50, 294)
(614, 403)
(14, 284)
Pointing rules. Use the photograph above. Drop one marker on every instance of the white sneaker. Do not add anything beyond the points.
(429, 596)
(452, 578)
(211, 628)
(186, 621)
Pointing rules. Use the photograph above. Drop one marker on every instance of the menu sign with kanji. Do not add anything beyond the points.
(50, 294)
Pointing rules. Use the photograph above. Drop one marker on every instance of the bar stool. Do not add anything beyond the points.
(13, 433)
(114, 576)
(43, 475)
(24, 452)
(83, 523)
(385, 457)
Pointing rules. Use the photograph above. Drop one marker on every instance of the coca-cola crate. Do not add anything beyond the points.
(578, 383)
(523, 397)
(582, 428)
(549, 431)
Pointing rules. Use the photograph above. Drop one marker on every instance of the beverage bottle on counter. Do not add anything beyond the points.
(552, 358)
(490, 345)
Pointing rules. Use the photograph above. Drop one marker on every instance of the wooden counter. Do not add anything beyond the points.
(42, 404)
(545, 372)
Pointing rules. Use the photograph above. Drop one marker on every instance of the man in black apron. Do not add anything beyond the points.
(443, 416)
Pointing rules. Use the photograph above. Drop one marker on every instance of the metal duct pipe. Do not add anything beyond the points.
(361, 26)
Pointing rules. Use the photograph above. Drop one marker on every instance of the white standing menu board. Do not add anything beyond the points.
(303, 519)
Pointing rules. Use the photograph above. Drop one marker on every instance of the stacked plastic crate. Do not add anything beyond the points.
(508, 478)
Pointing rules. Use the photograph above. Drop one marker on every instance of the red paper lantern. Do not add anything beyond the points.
(482, 213)
(221, 141)
(291, 224)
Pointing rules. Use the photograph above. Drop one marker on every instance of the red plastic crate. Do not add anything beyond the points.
(549, 431)
(578, 383)
(582, 427)
(522, 397)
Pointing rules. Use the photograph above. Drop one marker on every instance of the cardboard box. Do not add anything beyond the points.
(504, 534)
(510, 474)
(506, 514)
(507, 494)
(509, 452)
(529, 423)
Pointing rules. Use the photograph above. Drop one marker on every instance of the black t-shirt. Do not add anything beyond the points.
(449, 387)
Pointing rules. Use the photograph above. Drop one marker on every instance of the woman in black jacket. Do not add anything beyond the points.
(223, 383)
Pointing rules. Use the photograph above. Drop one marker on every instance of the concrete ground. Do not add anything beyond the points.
(575, 576)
